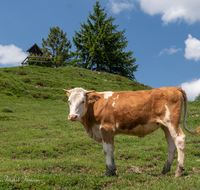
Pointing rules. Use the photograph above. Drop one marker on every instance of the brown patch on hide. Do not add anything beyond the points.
(107, 134)
(92, 97)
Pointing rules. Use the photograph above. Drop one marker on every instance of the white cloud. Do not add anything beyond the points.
(173, 10)
(170, 51)
(120, 5)
(192, 88)
(11, 54)
(170, 10)
(192, 48)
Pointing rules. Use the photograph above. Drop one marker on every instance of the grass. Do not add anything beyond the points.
(41, 149)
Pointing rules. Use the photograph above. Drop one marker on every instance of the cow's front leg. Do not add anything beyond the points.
(110, 163)
(108, 147)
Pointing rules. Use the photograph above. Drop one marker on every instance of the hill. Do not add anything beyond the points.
(44, 82)
(41, 149)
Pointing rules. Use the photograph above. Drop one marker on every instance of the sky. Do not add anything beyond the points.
(163, 34)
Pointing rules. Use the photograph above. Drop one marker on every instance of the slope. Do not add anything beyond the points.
(44, 82)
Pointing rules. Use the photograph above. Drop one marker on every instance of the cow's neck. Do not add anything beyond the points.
(88, 120)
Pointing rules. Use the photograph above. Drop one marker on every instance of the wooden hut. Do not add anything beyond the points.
(35, 53)
(35, 50)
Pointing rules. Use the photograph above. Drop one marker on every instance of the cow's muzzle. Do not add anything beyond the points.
(72, 117)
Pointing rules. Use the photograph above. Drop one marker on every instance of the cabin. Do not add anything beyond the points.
(35, 50)
(36, 57)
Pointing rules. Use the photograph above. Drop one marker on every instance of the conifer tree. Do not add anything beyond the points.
(57, 45)
(100, 47)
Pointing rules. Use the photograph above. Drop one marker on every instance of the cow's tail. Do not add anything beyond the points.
(185, 115)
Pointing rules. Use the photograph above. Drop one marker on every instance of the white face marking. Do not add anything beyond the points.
(77, 103)
(106, 94)
(108, 149)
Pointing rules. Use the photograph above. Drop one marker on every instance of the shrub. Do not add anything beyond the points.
(27, 80)
(6, 70)
(7, 110)
(35, 95)
(45, 96)
(39, 83)
(134, 84)
(22, 73)
(8, 94)
(118, 78)
(4, 84)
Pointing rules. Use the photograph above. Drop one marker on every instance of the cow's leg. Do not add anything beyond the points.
(179, 140)
(108, 147)
(171, 150)
(180, 144)
(172, 122)
(110, 163)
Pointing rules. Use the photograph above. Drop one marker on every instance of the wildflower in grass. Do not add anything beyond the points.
(126, 171)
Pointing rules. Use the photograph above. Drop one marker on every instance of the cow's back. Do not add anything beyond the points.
(128, 109)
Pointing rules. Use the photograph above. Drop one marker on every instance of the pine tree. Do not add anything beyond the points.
(197, 98)
(101, 47)
(57, 45)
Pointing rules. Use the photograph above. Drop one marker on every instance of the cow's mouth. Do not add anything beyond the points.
(73, 117)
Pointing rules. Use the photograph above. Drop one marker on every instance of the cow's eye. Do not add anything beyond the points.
(83, 102)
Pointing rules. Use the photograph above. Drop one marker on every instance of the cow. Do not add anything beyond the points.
(137, 113)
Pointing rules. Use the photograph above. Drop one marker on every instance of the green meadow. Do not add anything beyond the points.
(41, 149)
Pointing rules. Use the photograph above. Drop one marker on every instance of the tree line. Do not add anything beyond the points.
(99, 46)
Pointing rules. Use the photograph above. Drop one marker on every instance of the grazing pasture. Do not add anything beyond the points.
(41, 149)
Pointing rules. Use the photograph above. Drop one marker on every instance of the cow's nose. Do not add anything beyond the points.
(72, 117)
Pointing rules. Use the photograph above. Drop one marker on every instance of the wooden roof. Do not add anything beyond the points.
(35, 50)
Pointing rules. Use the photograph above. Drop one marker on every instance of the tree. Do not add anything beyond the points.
(57, 45)
(101, 47)
(197, 98)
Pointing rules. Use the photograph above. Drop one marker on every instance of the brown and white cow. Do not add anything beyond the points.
(137, 113)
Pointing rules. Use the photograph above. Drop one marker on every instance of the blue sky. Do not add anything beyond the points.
(164, 34)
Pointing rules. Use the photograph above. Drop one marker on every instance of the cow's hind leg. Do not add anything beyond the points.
(179, 140)
(108, 147)
(171, 150)
(180, 145)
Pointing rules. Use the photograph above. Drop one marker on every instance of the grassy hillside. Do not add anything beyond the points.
(43, 82)
(41, 149)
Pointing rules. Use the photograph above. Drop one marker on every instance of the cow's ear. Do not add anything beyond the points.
(90, 91)
(67, 92)
(92, 98)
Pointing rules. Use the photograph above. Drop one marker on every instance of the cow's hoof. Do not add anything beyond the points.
(110, 173)
(178, 174)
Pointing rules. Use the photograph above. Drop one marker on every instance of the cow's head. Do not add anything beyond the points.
(78, 103)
